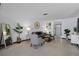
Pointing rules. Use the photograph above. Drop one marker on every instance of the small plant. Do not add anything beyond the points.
(18, 30)
(67, 32)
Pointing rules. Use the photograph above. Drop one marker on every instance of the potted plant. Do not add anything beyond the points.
(18, 30)
(67, 32)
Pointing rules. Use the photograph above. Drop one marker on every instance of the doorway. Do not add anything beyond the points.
(58, 30)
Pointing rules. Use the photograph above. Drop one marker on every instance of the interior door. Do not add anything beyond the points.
(58, 30)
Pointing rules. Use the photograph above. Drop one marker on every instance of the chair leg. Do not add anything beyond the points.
(41, 44)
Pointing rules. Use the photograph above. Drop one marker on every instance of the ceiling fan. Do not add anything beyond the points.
(45, 14)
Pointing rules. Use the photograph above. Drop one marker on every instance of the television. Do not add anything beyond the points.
(39, 33)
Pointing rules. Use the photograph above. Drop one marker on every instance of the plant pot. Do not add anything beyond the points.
(75, 33)
(18, 40)
(67, 37)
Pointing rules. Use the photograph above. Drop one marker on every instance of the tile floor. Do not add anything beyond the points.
(58, 47)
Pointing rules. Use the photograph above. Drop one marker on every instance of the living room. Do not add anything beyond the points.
(20, 21)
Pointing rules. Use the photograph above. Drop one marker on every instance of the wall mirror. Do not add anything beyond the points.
(5, 34)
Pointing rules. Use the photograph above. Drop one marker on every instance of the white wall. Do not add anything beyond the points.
(67, 23)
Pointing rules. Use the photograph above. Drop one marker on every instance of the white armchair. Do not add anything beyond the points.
(35, 41)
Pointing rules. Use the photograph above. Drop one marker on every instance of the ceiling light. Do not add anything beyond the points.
(28, 29)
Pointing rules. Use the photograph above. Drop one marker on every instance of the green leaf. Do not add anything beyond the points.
(18, 28)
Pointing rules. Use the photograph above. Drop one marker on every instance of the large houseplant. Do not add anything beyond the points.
(67, 32)
(18, 30)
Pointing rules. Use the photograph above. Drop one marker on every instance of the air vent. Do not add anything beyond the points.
(45, 14)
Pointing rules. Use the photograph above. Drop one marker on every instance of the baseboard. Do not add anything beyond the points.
(65, 38)
(21, 41)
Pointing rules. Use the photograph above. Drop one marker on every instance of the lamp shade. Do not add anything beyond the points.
(4, 33)
(28, 29)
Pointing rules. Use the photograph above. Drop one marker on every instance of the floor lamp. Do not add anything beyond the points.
(28, 30)
(4, 38)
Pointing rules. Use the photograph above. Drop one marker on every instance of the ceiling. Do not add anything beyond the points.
(30, 11)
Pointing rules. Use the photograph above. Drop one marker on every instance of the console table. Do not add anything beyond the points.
(75, 39)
